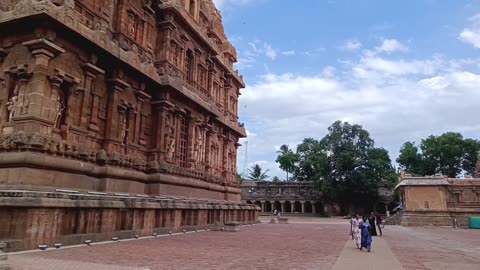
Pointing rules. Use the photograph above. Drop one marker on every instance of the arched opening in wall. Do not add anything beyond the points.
(380, 208)
(308, 207)
(189, 66)
(318, 207)
(297, 207)
(277, 206)
(288, 207)
(427, 205)
(192, 8)
(268, 206)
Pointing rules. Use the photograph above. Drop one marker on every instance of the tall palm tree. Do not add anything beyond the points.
(256, 173)
(283, 152)
(284, 149)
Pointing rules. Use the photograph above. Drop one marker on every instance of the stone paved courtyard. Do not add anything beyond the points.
(306, 243)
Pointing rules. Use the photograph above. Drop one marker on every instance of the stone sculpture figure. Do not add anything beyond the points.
(170, 136)
(198, 146)
(12, 103)
(123, 127)
(171, 148)
(60, 107)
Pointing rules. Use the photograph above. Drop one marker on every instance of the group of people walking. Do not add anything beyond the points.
(363, 228)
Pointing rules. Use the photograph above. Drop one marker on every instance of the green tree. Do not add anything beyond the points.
(312, 160)
(355, 169)
(448, 153)
(287, 159)
(410, 159)
(444, 153)
(256, 173)
(275, 179)
(470, 154)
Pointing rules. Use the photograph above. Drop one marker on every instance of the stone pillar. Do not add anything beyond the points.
(141, 98)
(303, 207)
(208, 155)
(116, 88)
(159, 135)
(55, 83)
(292, 207)
(90, 101)
(191, 142)
(211, 73)
(263, 206)
(386, 208)
(314, 209)
(35, 96)
(282, 205)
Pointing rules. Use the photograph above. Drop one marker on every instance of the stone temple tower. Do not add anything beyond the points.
(117, 118)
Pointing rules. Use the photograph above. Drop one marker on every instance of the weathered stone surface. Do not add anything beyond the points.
(232, 226)
(116, 97)
(438, 200)
(302, 197)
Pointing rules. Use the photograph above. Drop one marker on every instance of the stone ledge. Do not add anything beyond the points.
(232, 226)
(37, 199)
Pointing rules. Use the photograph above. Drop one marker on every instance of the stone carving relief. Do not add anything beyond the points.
(214, 155)
(170, 135)
(231, 160)
(67, 107)
(199, 146)
(59, 110)
(12, 103)
(122, 126)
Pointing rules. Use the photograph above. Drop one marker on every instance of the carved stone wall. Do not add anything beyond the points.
(143, 85)
(119, 98)
(439, 200)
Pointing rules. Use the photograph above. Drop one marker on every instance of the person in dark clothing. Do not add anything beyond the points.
(371, 220)
(378, 220)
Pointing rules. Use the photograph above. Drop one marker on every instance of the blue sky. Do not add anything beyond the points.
(402, 69)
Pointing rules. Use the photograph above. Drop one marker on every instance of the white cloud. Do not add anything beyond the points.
(390, 46)
(328, 72)
(257, 49)
(288, 53)
(269, 51)
(262, 48)
(375, 67)
(396, 100)
(245, 62)
(471, 34)
(222, 4)
(351, 45)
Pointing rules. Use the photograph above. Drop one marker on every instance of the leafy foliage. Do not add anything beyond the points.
(256, 173)
(448, 153)
(355, 168)
(311, 163)
(345, 164)
(287, 159)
